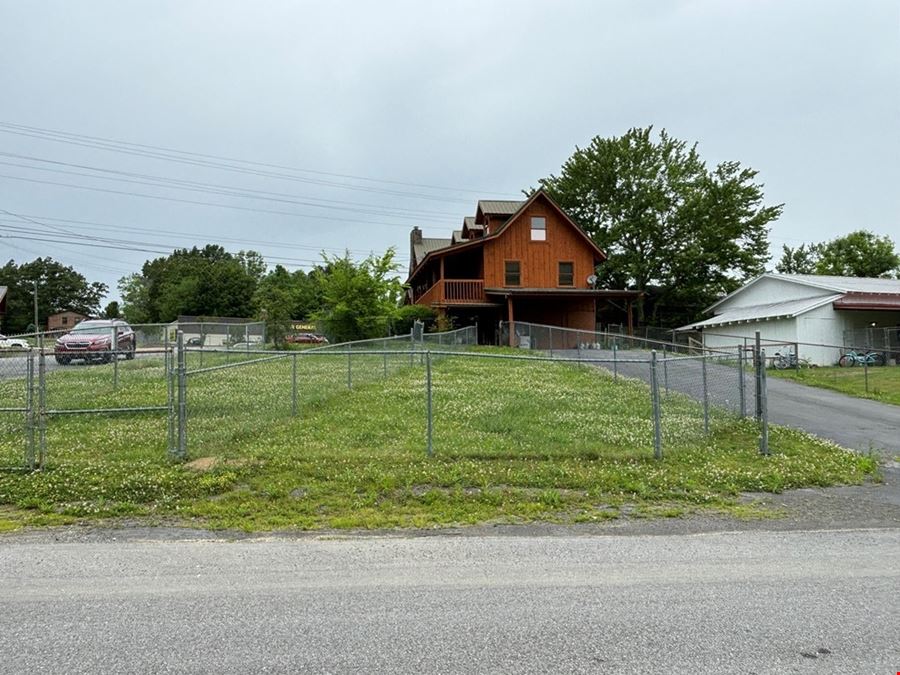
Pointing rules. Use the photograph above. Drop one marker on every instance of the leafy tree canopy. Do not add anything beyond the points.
(665, 219)
(858, 254)
(359, 299)
(59, 288)
(200, 282)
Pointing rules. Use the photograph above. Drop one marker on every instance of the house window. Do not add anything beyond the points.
(566, 274)
(538, 228)
(513, 276)
(65, 320)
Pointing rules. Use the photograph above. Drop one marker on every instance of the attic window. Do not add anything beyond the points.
(538, 228)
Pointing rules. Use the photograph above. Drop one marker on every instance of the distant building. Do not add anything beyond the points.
(64, 320)
(819, 314)
(2, 303)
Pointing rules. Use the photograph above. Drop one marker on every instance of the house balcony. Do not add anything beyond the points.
(454, 292)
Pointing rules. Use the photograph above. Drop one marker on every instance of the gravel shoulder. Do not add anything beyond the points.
(875, 505)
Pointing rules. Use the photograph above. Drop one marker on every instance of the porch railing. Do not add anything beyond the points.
(454, 291)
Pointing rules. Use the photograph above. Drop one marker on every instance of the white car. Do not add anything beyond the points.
(13, 343)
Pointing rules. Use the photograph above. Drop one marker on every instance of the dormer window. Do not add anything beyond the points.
(538, 228)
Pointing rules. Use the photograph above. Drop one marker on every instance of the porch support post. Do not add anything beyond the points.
(512, 325)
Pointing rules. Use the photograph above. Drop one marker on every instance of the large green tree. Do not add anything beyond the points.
(59, 288)
(359, 300)
(666, 221)
(206, 281)
(858, 254)
(275, 300)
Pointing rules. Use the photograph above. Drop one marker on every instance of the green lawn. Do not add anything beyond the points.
(883, 381)
(513, 441)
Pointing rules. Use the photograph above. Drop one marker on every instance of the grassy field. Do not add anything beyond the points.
(513, 441)
(884, 381)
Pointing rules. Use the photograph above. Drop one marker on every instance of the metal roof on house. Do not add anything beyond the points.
(871, 301)
(499, 207)
(427, 245)
(775, 310)
(845, 284)
(469, 222)
(821, 281)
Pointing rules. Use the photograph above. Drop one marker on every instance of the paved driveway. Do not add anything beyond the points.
(854, 423)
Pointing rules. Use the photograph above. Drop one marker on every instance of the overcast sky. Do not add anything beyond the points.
(472, 99)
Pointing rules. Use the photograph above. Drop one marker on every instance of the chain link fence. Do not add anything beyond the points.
(195, 401)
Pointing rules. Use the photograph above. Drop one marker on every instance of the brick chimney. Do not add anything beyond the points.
(415, 237)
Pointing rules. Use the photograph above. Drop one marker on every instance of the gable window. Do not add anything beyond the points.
(566, 274)
(65, 320)
(512, 273)
(538, 228)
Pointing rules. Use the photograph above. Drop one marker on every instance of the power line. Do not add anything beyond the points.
(216, 162)
(54, 134)
(164, 181)
(92, 225)
(28, 234)
(199, 203)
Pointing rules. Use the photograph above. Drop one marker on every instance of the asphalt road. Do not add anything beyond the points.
(854, 423)
(16, 366)
(748, 602)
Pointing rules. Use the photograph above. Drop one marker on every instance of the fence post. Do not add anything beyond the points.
(759, 364)
(182, 397)
(866, 371)
(294, 384)
(170, 398)
(115, 356)
(166, 350)
(429, 445)
(246, 338)
(551, 342)
(349, 368)
(42, 407)
(615, 361)
(654, 403)
(665, 371)
(764, 408)
(705, 399)
(29, 411)
(384, 365)
(742, 395)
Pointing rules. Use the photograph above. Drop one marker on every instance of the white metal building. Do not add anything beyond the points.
(803, 308)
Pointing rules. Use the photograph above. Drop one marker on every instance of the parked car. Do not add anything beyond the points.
(91, 340)
(13, 343)
(306, 339)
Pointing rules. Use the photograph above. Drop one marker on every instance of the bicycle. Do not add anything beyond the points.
(786, 361)
(853, 358)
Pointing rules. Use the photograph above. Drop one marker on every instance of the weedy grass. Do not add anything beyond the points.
(884, 381)
(514, 441)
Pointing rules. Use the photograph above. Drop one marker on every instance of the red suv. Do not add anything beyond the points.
(91, 340)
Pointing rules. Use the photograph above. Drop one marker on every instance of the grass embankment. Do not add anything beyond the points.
(884, 381)
(513, 441)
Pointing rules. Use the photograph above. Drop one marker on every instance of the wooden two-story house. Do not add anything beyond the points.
(512, 261)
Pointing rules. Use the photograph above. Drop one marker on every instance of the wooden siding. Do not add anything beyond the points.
(539, 259)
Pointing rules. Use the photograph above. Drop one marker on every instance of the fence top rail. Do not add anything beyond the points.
(616, 336)
(238, 364)
(789, 343)
(347, 343)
